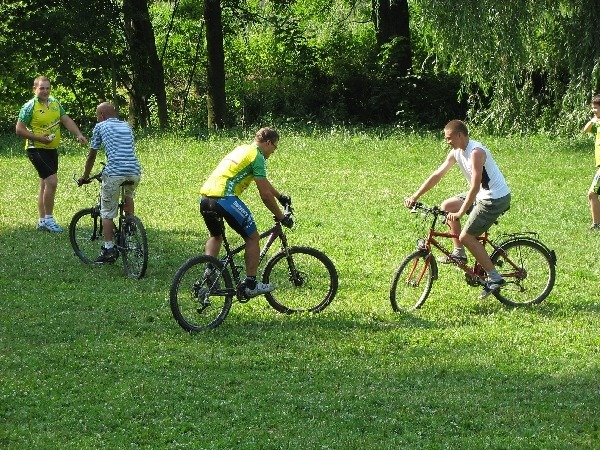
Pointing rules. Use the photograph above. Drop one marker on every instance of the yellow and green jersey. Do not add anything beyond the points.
(42, 119)
(597, 145)
(235, 172)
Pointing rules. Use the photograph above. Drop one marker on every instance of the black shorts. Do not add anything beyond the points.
(44, 160)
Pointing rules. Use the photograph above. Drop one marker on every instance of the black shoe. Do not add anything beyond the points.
(107, 255)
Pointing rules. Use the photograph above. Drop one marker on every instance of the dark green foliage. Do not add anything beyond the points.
(511, 67)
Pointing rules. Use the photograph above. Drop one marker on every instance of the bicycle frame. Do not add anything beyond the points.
(475, 275)
(96, 208)
(272, 234)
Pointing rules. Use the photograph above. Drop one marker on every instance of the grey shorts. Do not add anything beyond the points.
(483, 213)
(111, 189)
(595, 187)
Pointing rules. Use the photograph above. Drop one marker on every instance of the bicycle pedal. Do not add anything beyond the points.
(241, 294)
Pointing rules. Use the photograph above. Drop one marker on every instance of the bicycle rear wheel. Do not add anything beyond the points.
(412, 281)
(85, 234)
(201, 293)
(134, 247)
(305, 279)
(528, 269)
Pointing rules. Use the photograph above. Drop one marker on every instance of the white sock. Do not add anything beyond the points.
(108, 245)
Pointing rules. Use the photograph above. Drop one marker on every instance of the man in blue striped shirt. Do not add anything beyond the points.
(122, 165)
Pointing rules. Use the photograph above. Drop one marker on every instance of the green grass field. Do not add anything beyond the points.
(90, 359)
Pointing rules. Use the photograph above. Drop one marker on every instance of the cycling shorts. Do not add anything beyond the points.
(45, 161)
(484, 213)
(232, 209)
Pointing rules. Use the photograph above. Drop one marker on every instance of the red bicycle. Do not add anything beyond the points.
(527, 265)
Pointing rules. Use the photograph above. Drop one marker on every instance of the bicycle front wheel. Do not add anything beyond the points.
(85, 234)
(134, 247)
(305, 279)
(528, 269)
(412, 281)
(201, 293)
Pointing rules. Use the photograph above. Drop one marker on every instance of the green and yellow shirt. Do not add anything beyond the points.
(597, 145)
(42, 119)
(235, 172)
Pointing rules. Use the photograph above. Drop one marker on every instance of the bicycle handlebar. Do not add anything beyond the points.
(435, 210)
(98, 177)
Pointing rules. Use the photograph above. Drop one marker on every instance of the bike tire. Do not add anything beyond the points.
(536, 273)
(197, 303)
(305, 279)
(412, 281)
(85, 234)
(134, 247)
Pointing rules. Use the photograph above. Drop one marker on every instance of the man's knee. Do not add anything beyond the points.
(451, 204)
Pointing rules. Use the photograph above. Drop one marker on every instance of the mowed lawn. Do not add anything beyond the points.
(90, 359)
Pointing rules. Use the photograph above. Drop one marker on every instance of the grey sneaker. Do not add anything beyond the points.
(260, 289)
(51, 226)
(453, 259)
(107, 255)
(491, 287)
(595, 227)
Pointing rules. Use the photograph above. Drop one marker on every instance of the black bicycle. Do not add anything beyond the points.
(85, 234)
(205, 287)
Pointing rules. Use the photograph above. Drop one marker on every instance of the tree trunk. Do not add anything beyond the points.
(216, 100)
(148, 78)
(391, 20)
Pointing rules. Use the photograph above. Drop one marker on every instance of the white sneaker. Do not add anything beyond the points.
(51, 226)
(41, 226)
(260, 289)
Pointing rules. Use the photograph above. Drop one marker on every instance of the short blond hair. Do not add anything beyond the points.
(457, 126)
(39, 79)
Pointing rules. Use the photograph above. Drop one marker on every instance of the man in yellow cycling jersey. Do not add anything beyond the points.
(39, 123)
(220, 192)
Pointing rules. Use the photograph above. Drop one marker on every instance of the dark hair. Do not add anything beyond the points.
(596, 100)
(457, 126)
(267, 134)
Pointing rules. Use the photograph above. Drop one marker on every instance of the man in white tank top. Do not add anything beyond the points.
(487, 198)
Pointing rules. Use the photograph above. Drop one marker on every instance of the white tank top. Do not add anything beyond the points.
(493, 184)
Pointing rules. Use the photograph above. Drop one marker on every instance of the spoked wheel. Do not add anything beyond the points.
(529, 270)
(85, 234)
(305, 279)
(134, 247)
(412, 281)
(201, 293)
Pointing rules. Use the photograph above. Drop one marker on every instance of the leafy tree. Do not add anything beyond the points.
(79, 63)
(147, 72)
(392, 30)
(523, 64)
(215, 67)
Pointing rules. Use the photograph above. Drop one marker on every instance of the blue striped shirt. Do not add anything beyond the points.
(119, 147)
